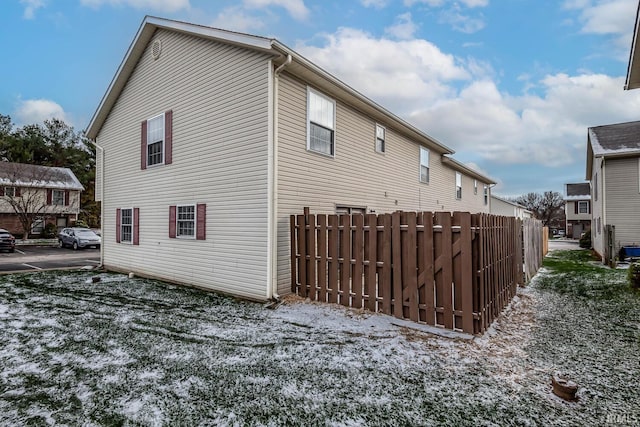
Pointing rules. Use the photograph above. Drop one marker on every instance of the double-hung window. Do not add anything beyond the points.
(10, 191)
(57, 197)
(155, 140)
(486, 194)
(321, 113)
(424, 165)
(380, 138)
(475, 186)
(186, 221)
(458, 185)
(583, 207)
(126, 225)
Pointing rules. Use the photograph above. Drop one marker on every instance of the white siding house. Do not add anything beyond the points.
(577, 208)
(208, 140)
(613, 168)
(503, 207)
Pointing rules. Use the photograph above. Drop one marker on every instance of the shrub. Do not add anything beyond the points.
(80, 223)
(585, 240)
(50, 231)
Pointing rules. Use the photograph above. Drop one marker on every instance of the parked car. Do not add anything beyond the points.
(7, 241)
(78, 238)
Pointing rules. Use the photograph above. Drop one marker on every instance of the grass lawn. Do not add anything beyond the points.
(140, 352)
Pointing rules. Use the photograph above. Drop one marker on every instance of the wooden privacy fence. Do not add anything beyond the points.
(533, 236)
(457, 271)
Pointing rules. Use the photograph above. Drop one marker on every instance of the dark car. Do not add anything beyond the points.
(78, 238)
(7, 241)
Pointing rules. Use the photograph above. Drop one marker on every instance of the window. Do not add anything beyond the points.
(595, 187)
(348, 210)
(458, 185)
(380, 138)
(186, 221)
(126, 225)
(155, 140)
(583, 207)
(424, 165)
(10, 191)
(37, 227)
(57, 197)
(321, 113)
(486, 194)
(475, 186)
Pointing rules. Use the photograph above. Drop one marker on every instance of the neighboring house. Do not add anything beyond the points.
(208, 140)
(48, 194)
(613, 168)
(633, 68)
(500, 206)
(577, 209)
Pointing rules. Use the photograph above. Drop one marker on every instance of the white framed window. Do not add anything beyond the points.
(424, 165)
(155, 140)
(583, 207)
(10, 191)
(57, 197)
(186, 221)
(321, 119)
(595, 187)
(348, 210)
(381, 133)
(126, 225)
(475, 186)
(486, 194)
(458, 185)
(37, 227)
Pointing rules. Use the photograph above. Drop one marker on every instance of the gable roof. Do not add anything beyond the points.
(26, 175)
(617, 140)
(460, 167)
(514, 204)
(578, 191)
(633, 68)
(299, 66)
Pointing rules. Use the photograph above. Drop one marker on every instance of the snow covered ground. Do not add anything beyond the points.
(140, 352)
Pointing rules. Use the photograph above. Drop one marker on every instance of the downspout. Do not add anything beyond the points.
(604, 203)
(273, 187)
(101, 201)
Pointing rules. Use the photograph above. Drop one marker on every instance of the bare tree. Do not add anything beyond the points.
(546, 207)
(34, 192)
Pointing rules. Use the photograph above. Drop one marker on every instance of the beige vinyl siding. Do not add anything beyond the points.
(39, 202)
(597, 235)
(570, 211)
(623, 200)
(219, 97)
(98, 180)
(357, 176)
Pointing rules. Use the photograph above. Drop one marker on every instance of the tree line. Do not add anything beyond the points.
(54, 143)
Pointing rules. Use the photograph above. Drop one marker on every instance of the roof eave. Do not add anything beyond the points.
(456, 165)
(633, 73)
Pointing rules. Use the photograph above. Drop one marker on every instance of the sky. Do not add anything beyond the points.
(511, 85)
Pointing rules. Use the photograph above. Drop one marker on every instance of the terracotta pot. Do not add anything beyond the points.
(563, 388)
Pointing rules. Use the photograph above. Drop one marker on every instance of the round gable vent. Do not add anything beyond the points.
(156, 49)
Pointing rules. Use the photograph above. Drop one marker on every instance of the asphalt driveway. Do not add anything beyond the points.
(30, 258)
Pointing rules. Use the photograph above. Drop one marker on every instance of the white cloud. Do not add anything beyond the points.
(458, 101)
(161, 5)
(404, 28)
(377, 4)
(295, 8)
(607, 16)
(31, 6)
(461, 22)
(437, 3)
(32, 111)
(235, 18)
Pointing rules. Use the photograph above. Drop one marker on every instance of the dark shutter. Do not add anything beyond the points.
(143, 145)
(168, 137)
(118, 218)
(172, 221)
(136, 226)
(49, 195)
(575, 204)
(201, 226)
(66, 198)
(17, 191)
(1, 191)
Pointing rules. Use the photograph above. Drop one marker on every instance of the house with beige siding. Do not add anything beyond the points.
(42, 194)
(577, 208)
(208, 140)
(503, 207)
(613, 169)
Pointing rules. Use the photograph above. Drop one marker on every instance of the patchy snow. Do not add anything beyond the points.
(136, 351)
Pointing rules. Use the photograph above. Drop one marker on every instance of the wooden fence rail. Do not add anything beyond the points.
(457, 271)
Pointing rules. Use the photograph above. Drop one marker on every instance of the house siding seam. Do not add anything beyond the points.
(219, 158)
(357, 176)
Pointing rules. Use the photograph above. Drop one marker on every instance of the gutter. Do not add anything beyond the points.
(272, 258)
(95, 144)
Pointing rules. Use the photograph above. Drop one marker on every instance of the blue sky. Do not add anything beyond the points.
(511, 85)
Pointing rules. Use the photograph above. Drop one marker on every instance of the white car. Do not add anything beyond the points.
(78, 238)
